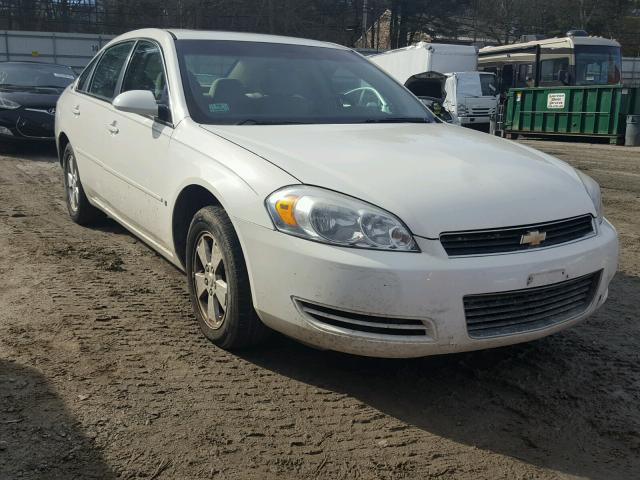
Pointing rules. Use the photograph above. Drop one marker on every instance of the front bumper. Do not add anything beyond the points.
(23, 124)
(428, 286)
(473, 120)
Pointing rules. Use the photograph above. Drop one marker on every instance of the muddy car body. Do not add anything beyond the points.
(356, 225)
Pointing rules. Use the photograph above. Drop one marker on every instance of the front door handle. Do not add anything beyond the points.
(76, 110)
(113, 129)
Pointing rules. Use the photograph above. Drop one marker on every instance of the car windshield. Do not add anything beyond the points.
(488, 85)
(474, 84)
(253, 83)
(33, 75)
(597, 65)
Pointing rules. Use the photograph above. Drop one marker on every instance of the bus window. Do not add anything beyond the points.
(554, 72)
(597, 65)
(506, 79)
(525, 76)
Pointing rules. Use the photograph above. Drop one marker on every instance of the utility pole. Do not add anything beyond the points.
(365, 8)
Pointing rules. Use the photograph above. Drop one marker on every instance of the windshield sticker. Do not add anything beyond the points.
(219, 107)
(64, 75)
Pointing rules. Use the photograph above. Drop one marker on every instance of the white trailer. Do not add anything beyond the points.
(468, 95)
(72, 49)
(427, 57)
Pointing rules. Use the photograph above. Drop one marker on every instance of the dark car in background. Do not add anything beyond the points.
(28, 95)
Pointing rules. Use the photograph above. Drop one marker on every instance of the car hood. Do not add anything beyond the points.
(435, 177)
(31, 98)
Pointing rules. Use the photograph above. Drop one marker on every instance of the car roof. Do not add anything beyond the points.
(183, 34)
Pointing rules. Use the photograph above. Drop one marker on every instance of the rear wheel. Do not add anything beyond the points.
(219, 282)
(80, 210)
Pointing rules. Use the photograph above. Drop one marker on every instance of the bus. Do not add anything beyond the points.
(574, 60)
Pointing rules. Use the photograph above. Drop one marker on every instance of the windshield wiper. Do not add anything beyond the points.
(11, 85)
(48, 86)
(398, 120)
(250, 121)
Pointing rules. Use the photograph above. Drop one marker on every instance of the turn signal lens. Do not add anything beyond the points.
(285, 209)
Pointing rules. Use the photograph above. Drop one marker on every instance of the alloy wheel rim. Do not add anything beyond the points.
(210, 281)
(73, 188)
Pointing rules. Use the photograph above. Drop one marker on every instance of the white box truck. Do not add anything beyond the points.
(468, 95)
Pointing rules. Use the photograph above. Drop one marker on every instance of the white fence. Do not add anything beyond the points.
(73, 49)
(631, 71)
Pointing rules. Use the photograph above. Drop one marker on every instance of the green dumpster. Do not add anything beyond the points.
(592, 111)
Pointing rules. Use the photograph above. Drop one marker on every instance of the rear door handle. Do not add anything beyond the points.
(113, 129)
(76, 110)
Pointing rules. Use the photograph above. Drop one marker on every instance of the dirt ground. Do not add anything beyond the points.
(104, 374)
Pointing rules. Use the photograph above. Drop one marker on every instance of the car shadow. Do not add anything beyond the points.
(34, 151)
(109, 225)
(39, 438)
(559, 402)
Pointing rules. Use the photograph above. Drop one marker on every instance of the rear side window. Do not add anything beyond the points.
(146, 71)
(107, 72)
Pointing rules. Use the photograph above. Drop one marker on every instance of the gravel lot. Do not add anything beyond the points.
(104, 374)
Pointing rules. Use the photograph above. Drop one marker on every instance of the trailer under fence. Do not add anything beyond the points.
(72, 49)
(582, 111)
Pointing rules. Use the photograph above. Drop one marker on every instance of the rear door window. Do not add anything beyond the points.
(107, 72)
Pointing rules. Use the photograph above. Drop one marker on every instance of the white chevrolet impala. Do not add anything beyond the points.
(303, 190)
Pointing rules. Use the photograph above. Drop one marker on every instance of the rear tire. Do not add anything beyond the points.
(80, 210)
(219, 283)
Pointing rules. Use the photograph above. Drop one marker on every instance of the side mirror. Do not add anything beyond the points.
(141, 102)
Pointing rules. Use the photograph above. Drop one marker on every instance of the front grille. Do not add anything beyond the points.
(504, 240)
(363, 323)
(519, 311)
(481, 111)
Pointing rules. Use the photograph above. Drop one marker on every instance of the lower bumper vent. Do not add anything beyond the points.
(364, 323)
(520, 311)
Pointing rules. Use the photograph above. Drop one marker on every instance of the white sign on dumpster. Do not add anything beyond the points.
(555, 100)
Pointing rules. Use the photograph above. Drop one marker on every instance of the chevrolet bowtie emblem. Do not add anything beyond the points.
(533, 238)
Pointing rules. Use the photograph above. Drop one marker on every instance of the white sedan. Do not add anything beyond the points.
(356, 223)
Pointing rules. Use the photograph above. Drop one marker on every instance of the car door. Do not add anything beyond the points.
(90, 107)
(137, 147)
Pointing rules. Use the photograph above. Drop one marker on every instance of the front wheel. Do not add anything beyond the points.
(80, 210)
(219, 282)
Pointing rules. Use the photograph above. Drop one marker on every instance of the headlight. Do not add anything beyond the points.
(462, 109)
(593, 189)
(7, 104)
(329, 217)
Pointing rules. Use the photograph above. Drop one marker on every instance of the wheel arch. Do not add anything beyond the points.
(191, 198)
(62, 142)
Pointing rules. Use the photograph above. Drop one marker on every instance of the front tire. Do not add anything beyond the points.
(80, 210)
(219, 283)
